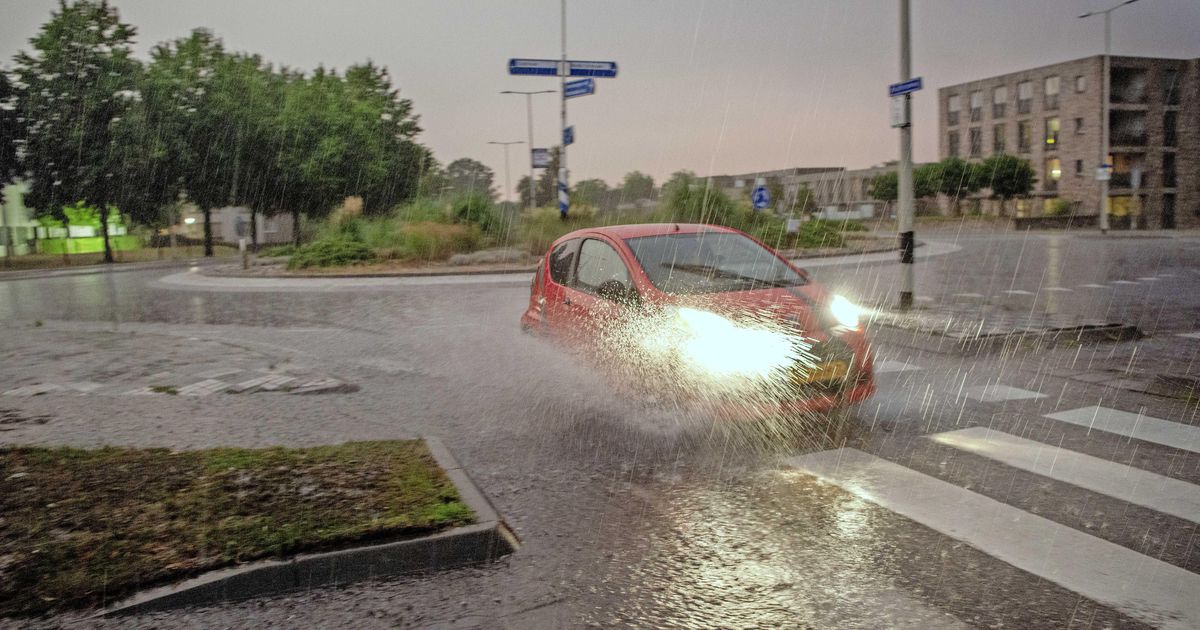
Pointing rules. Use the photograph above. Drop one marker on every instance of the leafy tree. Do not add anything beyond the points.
(10, 130)
(469, 176)
(590, 192)
(953, 177)
(677, 179)
(805, 199)
(1007, 177)
(637, 185)
(73, 90)
(886, 186)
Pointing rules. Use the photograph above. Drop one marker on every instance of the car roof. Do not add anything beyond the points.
(647, 229)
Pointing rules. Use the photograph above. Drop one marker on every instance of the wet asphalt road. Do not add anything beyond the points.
(634, 516)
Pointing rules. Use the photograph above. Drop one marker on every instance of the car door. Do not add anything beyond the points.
(599, 290)
(559, 273)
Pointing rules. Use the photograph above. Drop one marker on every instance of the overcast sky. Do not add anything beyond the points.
(715, 86)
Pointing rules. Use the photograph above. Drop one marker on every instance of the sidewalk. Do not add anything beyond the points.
(82, 270)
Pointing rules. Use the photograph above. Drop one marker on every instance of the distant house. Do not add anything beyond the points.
(231, 223)
(17, 225)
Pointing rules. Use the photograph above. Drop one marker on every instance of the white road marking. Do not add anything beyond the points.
(34, 390)
(1017, 292)
(1094, 286)
(219, 372)
(968, 295)
(1194, 335)
(203, 388)
(1133, 425)
(1059, 289)
(1147, 279)
(1137, 585)
(1124, 282)
(1140, 487)
(998, 393)
(885, 366)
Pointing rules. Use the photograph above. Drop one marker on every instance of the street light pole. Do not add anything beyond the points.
(529, 115)
(904, 211)
(1106, 96)
(507, 179)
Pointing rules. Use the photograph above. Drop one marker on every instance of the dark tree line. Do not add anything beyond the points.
(84, 120)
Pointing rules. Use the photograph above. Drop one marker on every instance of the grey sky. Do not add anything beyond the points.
(715, 86)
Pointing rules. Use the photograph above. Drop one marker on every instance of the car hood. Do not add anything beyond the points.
(800, 306)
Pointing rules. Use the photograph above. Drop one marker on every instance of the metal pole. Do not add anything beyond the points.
(532, 180)
(904, 212)
(564, 190)
(507, 179)
(1106, 96)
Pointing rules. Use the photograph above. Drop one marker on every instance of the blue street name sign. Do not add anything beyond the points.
(569, 135)
(605, 69)
(537, 67)
(579, 87)
(760, 197)
(907, 87)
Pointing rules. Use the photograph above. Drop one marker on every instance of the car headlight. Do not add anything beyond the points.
(717, 346)
(846, 313)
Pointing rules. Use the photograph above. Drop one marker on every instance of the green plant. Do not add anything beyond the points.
(475, 209)
(278, 250)
(330, 253)
(436, 241)
(1058, 207)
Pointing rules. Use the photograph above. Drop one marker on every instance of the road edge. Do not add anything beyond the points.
(486, 540)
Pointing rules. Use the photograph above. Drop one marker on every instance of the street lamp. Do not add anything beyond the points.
(529, 114)
(507, 180)
(1105, 96)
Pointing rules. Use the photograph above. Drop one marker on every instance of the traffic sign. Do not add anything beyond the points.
(569, 135)
(905, 87)
(537, 67)
(760, 197)
(900, 112)
(604, 69)
(540, 158)
(579, 87)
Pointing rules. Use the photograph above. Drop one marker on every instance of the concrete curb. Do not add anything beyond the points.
(1005, 342)
(85, 270)
(486, 540)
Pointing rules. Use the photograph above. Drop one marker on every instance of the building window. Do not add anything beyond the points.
(1053, 173)
(976, 106)
(1168, 178)
(1170, 128)
(1024, 136)
(1078, 125)
(999, 100)
(1052, 132)
(1024, 97)
(1170, 86)
(998, 139)
(1080, 83)
(975, 135)
(1079, 168)
(1051, 95)
(953, 106)
(952, 144)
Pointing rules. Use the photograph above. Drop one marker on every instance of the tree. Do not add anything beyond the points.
(677, 179)
(590, 192)
(885, 186)
(73, 91)
(953, 177)
(637, 185)
(805, 200)
(9, 130)
(1007, 177)
(469, 176)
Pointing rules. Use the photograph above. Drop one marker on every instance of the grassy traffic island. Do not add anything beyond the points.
(82, 528)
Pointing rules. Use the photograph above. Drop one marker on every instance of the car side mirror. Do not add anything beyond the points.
(616, 291)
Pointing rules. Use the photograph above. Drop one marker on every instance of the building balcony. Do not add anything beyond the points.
(1128, 140)
(1124, 179)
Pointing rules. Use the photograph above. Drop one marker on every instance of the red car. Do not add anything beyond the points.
(708, 309)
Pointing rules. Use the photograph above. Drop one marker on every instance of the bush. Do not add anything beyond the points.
(422, 210)
(437, 241)
(844, 226)
(814, 234)
(1059, 207)
(475, 209)
(330, 253)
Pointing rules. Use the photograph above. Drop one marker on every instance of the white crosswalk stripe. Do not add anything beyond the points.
(1134, 425)
(1144, 588)
(1194, 335)
(996, 392)
(888, 365)
(1133, 485)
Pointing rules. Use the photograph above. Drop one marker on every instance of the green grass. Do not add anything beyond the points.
(164, 389)
(81, 528)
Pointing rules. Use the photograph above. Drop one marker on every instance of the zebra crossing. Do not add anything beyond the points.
(1137, 585)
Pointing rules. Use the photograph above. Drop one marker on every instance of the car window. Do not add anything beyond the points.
(710, 262)
(599, 263)
(562, 261)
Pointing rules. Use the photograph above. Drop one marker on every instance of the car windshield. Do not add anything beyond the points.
(710, 262)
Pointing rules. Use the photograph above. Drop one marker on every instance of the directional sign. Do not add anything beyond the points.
(606, 69)
(537, 67)
(579, 87)
(761, 198)
(569, 135)
(907, 87)
(540, 158)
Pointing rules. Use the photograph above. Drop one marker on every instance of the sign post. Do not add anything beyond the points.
(760, 198)
(904, 210)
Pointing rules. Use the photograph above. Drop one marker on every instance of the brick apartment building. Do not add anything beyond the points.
(1051, 116)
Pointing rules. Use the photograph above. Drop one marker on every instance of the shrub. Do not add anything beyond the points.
(278, 250)
(436, 241)
(844, 225)
(1058, 207)
(330, 253)
(420, 210)
(815, 234)
(475, 209)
